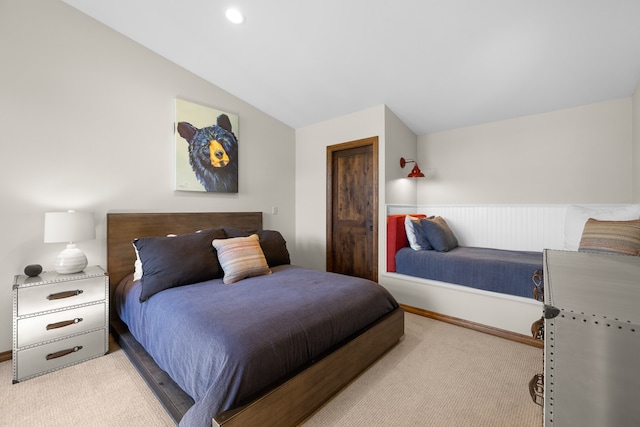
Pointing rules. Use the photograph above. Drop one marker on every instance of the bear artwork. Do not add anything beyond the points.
(213, 154)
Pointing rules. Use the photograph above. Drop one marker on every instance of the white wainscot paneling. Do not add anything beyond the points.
(512, 227)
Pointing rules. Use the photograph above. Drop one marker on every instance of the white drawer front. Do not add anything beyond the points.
(32, 330)
(33, 361)
(60, 295)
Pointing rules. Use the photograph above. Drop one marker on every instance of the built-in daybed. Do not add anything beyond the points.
(509, 272)
(505, 227)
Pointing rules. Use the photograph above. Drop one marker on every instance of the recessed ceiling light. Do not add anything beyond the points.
(235, 16)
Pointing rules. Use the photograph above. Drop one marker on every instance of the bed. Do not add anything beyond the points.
(517, 273)
(307, 378)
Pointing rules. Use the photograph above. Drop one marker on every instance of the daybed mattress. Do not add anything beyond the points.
(222, 344)
(507, 272)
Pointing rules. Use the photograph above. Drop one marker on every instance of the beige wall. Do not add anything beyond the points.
(636, 143)
(577, 155)
(401, 142)
(87, 124)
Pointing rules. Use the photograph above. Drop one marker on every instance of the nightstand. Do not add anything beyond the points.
(59, 320)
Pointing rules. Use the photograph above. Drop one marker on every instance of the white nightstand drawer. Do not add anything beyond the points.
(58, 320)
(59, 295)
(40, 359)
(32, 330)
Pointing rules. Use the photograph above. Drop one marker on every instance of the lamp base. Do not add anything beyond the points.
(71, 260)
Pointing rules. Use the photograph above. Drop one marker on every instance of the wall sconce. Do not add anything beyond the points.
(415, 172)
(69, 227)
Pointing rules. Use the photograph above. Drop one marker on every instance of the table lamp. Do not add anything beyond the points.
(69, 227)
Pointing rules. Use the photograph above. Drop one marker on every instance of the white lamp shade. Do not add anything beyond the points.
(68, 227)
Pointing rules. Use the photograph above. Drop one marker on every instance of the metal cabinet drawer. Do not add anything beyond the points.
(32, 330)
(60, 295)
(38, 360)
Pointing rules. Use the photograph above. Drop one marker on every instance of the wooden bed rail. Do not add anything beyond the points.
(298, 398)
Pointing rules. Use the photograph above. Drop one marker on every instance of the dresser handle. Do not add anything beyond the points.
(536, 389)
(64, 323)
(65, 294)
(63, 352)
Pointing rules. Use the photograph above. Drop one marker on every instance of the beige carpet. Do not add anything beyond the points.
(106, 391)
(439, 375)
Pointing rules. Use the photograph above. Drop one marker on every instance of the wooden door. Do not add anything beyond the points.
(352, 208)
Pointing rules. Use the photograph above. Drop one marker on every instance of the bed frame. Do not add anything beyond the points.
(287, 403)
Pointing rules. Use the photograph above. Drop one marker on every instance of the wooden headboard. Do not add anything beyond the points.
(122, 228)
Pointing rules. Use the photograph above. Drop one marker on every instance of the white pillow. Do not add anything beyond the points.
(137, 273)
(577, 217)
(411, 232)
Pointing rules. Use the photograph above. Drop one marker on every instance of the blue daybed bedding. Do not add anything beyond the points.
(222, 344)
(496, 270)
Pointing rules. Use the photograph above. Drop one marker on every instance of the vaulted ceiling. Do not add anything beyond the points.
(436, 64)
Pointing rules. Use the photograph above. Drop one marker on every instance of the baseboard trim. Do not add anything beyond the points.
(5, 355)
(512, 336)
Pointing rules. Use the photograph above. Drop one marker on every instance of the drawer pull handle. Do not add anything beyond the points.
(63, 323)
(63, 352)
(536, 389)
(65, 294)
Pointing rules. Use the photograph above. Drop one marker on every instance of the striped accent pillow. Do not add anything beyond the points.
(611, 237)
(241, 257)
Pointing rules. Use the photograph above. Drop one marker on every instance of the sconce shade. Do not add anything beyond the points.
(415, 172)
(69, 227)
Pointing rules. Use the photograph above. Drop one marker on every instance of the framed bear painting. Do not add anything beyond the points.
(206, 149)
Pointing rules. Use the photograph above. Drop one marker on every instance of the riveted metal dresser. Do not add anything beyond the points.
(59, 320)
(592, 339)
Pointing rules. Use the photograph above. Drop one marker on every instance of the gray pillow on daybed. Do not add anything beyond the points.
(437, 232)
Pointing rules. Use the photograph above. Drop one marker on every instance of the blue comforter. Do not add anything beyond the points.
(496, 270)
(222, 344)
